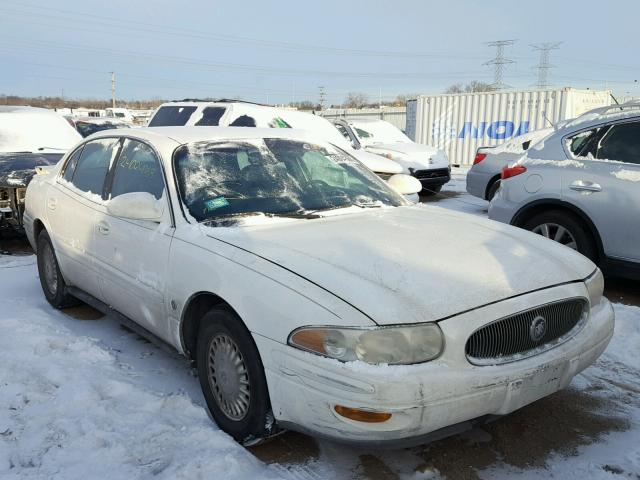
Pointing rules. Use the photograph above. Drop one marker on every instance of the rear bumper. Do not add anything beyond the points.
(477, 183)
(430, 400)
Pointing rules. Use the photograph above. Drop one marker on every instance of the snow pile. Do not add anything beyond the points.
(75, 406)
(625, 344)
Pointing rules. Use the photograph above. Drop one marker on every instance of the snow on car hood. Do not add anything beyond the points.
(412, 155)
(412, 264)
(377, 163)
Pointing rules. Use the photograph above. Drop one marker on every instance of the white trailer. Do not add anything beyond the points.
(460, 123)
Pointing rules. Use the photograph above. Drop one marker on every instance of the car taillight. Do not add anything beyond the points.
(508, 172)
(479, 157)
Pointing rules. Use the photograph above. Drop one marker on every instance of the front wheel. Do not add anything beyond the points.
(53, 285)
(564, 228)
(232, 377)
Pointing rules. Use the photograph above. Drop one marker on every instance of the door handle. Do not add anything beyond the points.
(103, 228)
(585, 186)
(52, 203)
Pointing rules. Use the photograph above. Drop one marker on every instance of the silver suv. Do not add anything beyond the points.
(581, 187)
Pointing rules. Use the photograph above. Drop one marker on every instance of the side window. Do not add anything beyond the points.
(243, 121)
(137, 170)
(94, 164)
(70, 167)
(211, 116)
(170, 116)
(622, 143)
(585, 144)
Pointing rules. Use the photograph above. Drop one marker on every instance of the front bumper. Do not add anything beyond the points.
(434, 398)
(433, 177)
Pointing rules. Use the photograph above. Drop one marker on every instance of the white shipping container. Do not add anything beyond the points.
(460, 123)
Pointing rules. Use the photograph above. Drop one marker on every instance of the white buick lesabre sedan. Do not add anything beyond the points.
(309, 294)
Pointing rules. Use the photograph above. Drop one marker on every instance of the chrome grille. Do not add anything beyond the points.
(521, 335)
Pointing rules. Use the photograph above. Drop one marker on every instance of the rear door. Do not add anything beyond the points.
(606, 184)
(72, 206)
(133, 254)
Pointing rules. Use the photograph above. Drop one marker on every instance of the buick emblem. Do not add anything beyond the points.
(538, 328)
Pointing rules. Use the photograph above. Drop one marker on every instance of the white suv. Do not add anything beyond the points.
(581, 187)
(234, 113)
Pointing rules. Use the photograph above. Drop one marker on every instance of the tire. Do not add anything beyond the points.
(493, 188)
(431, 191)
(249, 419)
(583, 241)
(53, 285)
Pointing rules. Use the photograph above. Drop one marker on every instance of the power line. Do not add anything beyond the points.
(122, 23)
(543, 65)
(499, 62)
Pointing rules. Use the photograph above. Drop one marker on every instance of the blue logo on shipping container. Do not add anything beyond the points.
(498, 130)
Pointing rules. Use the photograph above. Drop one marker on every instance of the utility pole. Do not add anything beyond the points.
(321, 97)
(499, 62)
(113, 89)
(543, 65)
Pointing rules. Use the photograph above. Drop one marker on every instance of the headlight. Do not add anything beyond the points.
(392, 345)
(595, 287)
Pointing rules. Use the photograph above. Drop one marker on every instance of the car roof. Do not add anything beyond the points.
(183, 135)
(24, 109)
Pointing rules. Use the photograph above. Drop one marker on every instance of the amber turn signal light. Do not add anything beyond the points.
(362, 415)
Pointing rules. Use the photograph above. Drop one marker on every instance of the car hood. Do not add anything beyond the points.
(17, 169)
(377, 163)
(412, 155)
(412, 264)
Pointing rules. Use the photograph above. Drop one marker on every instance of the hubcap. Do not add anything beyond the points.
(229, 377)
(50, 273)
(556, 233)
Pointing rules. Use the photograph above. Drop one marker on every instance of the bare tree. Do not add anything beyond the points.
(356, 100)
(471, 87)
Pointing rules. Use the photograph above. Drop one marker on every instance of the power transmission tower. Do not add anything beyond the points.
(113, 89)
(543, 65)
(499, 62)
(321, 97)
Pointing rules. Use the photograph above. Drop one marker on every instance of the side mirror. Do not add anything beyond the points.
(404, 184)
(136, 206)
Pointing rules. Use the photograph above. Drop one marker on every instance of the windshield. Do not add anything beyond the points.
(378, 132)
(274, 177)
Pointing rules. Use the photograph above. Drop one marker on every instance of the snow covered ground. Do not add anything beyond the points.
(81, 397)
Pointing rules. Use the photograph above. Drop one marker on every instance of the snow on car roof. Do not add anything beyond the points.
(605, 114)
(197, 134)
(31, 129)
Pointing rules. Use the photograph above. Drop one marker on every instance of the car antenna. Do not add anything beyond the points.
(544, 114)
(615, 99)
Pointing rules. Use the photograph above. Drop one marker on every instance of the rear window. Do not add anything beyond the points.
(172, 116)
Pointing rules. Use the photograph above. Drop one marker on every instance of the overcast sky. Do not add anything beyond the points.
(284, 50)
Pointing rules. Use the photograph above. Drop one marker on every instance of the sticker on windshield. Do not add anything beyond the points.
(214, 204)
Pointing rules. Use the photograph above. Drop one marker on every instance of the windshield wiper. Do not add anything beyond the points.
(233, 217)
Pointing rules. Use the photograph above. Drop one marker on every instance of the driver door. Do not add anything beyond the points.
(133, 254)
